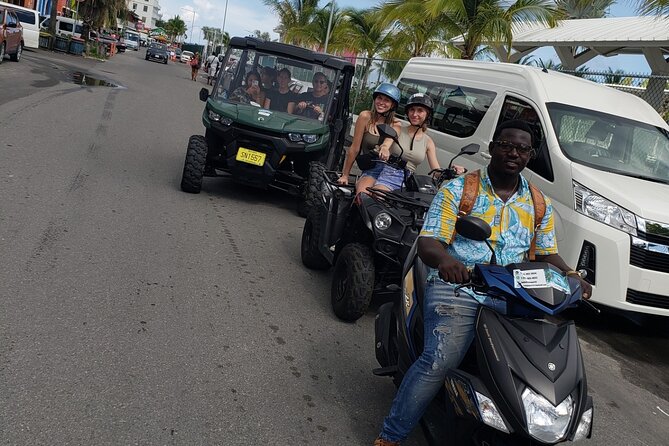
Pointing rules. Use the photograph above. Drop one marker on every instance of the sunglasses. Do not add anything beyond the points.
(507, 146)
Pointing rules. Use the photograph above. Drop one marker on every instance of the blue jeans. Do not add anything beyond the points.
(449, 330)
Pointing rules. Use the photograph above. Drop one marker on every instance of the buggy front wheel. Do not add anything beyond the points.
(352, 282)
(196, 158)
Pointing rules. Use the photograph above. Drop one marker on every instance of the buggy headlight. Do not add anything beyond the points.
(489, 413)
(590, 204)
(226, 121)
(382, 221)
(295, 137)
(546, 422)
(310, 139)
(583, 429)
(214, 116)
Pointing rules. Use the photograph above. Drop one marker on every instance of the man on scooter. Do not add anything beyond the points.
(504, 201)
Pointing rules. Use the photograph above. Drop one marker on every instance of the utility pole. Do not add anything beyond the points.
(327, 36)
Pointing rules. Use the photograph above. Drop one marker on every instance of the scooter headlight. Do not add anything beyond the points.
(489, 413)
(546, 422)
(382, 221)
(583, 429)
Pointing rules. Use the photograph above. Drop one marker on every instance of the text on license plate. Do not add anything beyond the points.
(250, 156)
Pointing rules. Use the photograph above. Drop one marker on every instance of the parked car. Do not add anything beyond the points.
(186, 56)
(157, 51)
(65, 26)
(11, 34)
(29, 19)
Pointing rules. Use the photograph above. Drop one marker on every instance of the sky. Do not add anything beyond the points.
(245, 16)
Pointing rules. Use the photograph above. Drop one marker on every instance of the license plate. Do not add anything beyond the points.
(250, 156)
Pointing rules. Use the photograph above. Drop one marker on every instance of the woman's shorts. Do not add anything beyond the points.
(374, 172)
(391, 177)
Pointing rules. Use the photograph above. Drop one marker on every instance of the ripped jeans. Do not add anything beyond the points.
(449, 330)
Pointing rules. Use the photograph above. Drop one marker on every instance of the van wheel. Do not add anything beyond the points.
(2, 51)
(312, 188)
(196, 157)
(17, 56)
(352, 282)
(309, 249)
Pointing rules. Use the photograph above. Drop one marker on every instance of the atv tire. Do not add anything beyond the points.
(309, 249)
(312, 188)
(196, 158)
(352, 282)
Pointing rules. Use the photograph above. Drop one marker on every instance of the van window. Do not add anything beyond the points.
(25, 17)
(458, 110)
(611, 143)
(516, 108)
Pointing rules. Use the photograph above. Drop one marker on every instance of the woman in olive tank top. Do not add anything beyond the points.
(366, 137)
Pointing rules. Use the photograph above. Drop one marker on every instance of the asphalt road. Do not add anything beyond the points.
(133, 313)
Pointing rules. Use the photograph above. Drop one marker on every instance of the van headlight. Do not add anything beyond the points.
(546, 422)
(382, 221)
(583, 429)
(489, 413)
(590, 204)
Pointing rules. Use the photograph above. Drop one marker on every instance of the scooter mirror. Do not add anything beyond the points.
(387, 131)
(470, 149)
(473, 228)
(204, 94)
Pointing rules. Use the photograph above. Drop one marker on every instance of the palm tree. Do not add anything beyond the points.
(314, 32)
(293, 14)
(175, 27)
(365, 34)
(477, 21)
(654, 7)
(261, 35)
(584, 9)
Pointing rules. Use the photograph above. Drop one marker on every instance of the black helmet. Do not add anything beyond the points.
(420, 99)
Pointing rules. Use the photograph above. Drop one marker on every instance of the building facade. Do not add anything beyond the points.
(148, 12)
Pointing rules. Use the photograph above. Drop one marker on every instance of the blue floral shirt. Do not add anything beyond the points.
(512, 224)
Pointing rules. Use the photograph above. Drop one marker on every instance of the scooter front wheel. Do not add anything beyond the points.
(352, 282)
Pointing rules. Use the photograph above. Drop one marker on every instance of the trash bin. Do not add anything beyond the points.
(76, 47)
(45, 41)
(61, 44)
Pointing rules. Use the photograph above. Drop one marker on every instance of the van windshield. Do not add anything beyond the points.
(611, 143)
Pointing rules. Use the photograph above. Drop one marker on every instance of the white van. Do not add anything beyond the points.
(131, 39)
(64, 26)
(29, 19)
(603, 159)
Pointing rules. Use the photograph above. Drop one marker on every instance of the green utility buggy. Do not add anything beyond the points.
(289, 139)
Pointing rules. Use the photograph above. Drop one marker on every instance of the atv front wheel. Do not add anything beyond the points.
(196, 158)
(311, 240)
(312, 188)
(353, 282)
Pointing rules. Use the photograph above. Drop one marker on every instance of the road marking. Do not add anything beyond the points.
(658, 408)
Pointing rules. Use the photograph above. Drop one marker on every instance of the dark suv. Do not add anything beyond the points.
(11, 35)
(157, 51)
(265, 139)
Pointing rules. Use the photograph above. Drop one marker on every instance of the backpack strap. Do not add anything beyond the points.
(539, 204)
(470, 192)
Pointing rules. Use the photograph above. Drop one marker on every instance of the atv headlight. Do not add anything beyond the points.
(214, 116)
(310, 139)
(489, 413)
(546, 422)
(226, 121)
(583, 429)
(382, 221)
(295, 137)
(590, 204)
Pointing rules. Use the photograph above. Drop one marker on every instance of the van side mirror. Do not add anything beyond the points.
(204, 94)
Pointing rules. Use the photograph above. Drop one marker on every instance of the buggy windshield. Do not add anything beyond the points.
(276, 83)
(612, 143)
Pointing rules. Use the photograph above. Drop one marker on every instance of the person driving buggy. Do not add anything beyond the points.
(312, 103)
(366, 137)
(501, 196)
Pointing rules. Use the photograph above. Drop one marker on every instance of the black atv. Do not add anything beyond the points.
(368, 242)
(270, 147)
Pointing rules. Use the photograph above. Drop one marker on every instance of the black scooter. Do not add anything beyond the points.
(523, 380)
(368, 243)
